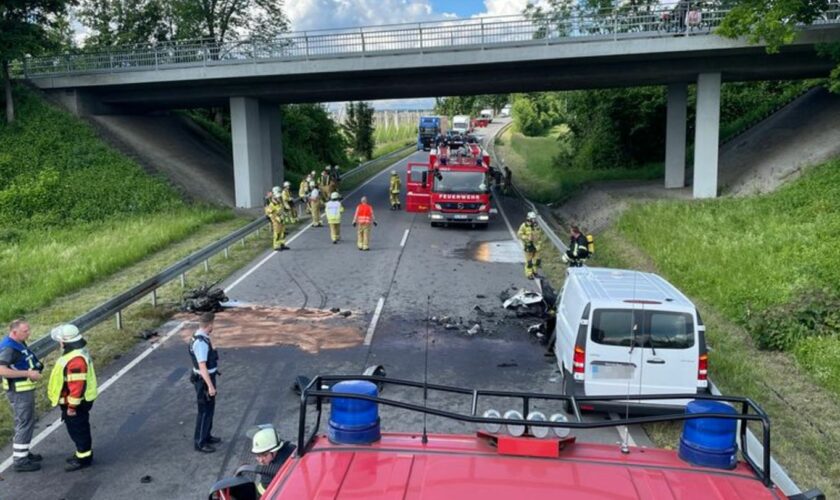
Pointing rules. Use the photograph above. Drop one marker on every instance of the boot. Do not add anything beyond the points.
(26, 465)
(76, 464)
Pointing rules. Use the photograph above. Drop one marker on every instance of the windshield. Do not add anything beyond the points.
(661, 329)
(460, 182)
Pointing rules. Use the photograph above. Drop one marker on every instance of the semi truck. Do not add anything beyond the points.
(452, 187)
(427, 130)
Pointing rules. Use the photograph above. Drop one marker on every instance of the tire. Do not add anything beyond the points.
(567, 391)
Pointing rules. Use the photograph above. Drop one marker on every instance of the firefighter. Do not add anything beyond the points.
(394, 190)
(72, 386)
(531, 235)
(578, 250)
(205, 363)
(324, 183)
(362, 219)
(303, 195)
(336, 175)
(288, 203)
(315, 204)
(271, 453)
(508, 181)
(334, 209)
(276, 213)
(20, 369)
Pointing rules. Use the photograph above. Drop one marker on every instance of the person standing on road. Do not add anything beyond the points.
(73, 387)
(530, 235)
(315, 205)
(276, 213)
(20, 369)
(362, 220)
(288, 203)
(205, 361)
(334, 209)
(324, 184)
(394, 190)
(271, 453)
(303, 196)
(508, 182)
(578, 250)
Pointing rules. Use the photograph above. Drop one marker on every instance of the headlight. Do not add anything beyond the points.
(482, 208)
(560, 432)
(514, 429)
(492, 428)
(437, 216)
(537, 431)
(438, 207)
(483, 217)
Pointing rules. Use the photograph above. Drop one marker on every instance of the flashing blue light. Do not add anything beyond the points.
(354, 421)
(709, 442)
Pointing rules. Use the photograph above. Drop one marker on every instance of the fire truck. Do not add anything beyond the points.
(527, 451)
(452, 187)
(484, 118)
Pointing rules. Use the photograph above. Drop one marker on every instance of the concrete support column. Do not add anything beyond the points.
(675, 135)
(251, 172)
(272, 140)
(706, 138)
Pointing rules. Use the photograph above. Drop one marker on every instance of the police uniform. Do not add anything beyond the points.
(201, 350)
(21, 395)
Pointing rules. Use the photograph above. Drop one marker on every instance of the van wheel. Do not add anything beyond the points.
(567, 391)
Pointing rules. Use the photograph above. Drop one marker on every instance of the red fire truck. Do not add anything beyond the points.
(452, 187)
(509, 456)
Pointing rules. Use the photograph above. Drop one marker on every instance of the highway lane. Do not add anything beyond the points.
(143, 425)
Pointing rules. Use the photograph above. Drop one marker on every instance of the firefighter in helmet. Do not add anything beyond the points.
(271, 453)
(578, 250)
(288, 203)
(394, 190)
(531, 236)
(276, 213)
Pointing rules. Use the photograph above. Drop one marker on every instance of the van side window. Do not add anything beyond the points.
(613, 326)
(670, 330)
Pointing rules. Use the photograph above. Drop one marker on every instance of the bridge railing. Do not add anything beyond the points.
(665, 20)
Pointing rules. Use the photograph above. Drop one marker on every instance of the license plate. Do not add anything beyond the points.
(461, 217)
(622, 371)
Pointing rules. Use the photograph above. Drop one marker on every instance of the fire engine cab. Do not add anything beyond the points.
(453, 187)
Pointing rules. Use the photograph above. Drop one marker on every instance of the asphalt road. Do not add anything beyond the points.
(143, 424)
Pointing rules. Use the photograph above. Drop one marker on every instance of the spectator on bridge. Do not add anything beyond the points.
(271, 453)
(204, 368)
(333, 210)
(315, 205)
(680, 12)
(530, 235)
(20, 369)
(72, 386)
(394, 187)
(363, 219)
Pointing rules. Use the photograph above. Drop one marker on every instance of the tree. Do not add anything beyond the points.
(469, 105)
(224, 20)
(26, 28)
(359, 128)
(126, 22)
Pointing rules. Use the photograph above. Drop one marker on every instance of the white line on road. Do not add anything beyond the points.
(372, 327)
(108, 383)
(507, 222)
(620, 428)
(405, 238)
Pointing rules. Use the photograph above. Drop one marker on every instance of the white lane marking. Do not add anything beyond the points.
(405, 238)
(293, 238)
(108, 383)
(507, 222)
(626, 433)
(372, 327)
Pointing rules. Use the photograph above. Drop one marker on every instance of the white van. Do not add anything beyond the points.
(626, 333)
(461, 124)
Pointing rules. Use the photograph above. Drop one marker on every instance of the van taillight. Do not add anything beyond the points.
(578, 362)
(703, 370)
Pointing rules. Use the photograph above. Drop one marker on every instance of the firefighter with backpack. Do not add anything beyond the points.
(581, 247)
(394, 187)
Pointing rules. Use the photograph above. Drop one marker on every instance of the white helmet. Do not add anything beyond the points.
(311, 184)
(66, 333)
(335, 196)
(287, 184)
(393, 172)
(312, 173)
(275, 191)
(532, 216)
(329, 167)
(265, 440)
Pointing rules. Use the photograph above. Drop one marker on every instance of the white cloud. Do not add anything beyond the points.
(504, 7)
(321, 14)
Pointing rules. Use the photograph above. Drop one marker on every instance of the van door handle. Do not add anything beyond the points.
(656, 361)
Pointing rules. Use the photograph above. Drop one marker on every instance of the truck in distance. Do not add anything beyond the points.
(428, 129)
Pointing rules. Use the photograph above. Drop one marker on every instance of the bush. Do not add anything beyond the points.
(813, 314)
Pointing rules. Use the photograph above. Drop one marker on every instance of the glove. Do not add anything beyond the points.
(354, 224)
(375, 223)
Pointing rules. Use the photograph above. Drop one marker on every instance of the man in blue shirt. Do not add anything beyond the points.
(20, 370)
(205, 367)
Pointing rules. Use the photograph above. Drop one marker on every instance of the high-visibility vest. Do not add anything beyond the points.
(333, 210)
(274, 211)
(26, 360)
(58, 379)
(395, 184)
(364, 214)
(530, 234)
(303, 189)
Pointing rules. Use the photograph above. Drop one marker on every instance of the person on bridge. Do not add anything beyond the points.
(73, 387)
(271, 453)
(315, 204)
(530, 235)
(394, 190)
(288, 204)
(334, 209)
(276, 213)
(205, 362)
(362, 220)
(578, 250)
(20, 369)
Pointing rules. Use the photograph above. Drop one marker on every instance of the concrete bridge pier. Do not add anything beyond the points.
(257, 149)
(675, 135)
(707, 136)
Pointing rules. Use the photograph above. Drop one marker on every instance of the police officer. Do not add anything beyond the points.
(205, 367)
(276, 213)
(271, 453)
(394, 187)
(578, 250)
(531, 236)
(73, 387)
(20, 369)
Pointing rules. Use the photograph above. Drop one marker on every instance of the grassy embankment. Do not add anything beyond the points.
(532, 161)
(391, 139)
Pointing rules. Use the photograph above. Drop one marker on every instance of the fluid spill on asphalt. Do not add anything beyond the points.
(506, 252)
(311, 330)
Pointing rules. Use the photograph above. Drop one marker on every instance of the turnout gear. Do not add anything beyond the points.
(288, 204)
(266, 440)
(334, 209)
(303, 196)
(276, 213)
(578, 250)
(363, 220)
(394, 190)
(315, 205)
(530, 235)
(272, 452)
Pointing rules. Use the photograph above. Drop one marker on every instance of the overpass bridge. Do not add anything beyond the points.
(475, 56)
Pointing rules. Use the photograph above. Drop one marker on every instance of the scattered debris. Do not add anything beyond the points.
(205, 298)
(450, 326)
(147, 334)
(555, 376)
(478, 308)
(146, 479)
(507, 365)
(346, 314)
(335, 310)
(522, 298)
(476, 328)
(480, 296)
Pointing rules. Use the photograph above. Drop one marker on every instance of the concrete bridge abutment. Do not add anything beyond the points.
(257, 149)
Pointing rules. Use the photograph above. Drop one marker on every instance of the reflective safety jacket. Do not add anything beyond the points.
(72, 380)
(334, 209)
(395, 184)
(303, 190)
(578, 246)
(274, 210)
(364, 214)
(531, 236)
(287, 199)
(22, 359)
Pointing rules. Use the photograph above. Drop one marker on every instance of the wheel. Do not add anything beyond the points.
(567, 390)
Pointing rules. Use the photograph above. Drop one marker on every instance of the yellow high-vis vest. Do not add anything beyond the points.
(57, 377)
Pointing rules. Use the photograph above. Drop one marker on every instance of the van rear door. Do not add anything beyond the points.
(670, 353)
(613, 365)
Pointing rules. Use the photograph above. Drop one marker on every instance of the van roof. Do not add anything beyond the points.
(620, 285)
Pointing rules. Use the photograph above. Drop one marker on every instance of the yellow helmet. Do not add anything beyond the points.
(265, 440)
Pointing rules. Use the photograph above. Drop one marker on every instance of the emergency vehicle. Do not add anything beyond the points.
(484, 118)
(528, 451)
(451, 187)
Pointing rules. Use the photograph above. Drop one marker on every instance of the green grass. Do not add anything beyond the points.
(533, 161)
(402, 132)
(389, 147)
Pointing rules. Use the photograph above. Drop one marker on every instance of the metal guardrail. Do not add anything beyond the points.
(665, 20)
